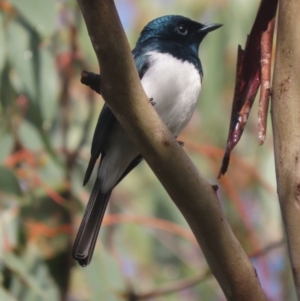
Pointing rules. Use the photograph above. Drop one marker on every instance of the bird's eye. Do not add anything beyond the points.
(182, 29)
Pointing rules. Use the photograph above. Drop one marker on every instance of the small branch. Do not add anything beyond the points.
(217, 153)
(183, 284)
(173, 287)
(91, 80)
(112, 219)
(266, 55)
(267, 249)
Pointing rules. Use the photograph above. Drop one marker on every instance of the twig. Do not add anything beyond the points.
(37, 229)
(240, 163)
(267, 249)
(174, 286)
(179, 285)
(112, 219)
(91, 80)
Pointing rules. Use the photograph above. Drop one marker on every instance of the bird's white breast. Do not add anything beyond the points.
(174, 86)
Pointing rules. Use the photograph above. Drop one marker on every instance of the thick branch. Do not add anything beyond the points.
(193, 195)
(286, 121)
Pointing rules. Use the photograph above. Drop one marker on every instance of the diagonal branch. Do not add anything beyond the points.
(193, 195)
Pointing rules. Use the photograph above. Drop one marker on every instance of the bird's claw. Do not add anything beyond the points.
(152, 102)
(181, 143)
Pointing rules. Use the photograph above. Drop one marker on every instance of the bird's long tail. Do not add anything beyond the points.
(86, 238)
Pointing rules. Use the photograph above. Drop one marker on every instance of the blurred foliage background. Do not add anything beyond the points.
(145, 250)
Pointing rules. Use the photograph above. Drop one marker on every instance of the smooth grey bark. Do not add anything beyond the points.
(286, 126)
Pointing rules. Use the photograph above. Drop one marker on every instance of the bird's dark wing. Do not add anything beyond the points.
(105, 121)
(88, 232)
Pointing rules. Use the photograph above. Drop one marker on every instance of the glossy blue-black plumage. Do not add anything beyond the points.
(160, 35)
(141, 54)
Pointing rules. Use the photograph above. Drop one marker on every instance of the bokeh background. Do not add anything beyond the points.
(145, 250)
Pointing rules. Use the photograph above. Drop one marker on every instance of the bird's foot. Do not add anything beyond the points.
(181, 143)
(152, 102)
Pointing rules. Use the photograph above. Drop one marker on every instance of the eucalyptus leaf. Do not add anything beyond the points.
(2, 43)
(49, 83)
(31, 279)
(20, 55)
(40, 14)
(18, 267)
(5, 295)
(104, 277)
(7, 95)
(7, 143)
(34, 75)
(8, 182)
(30, 136)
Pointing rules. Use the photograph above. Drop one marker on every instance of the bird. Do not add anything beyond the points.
(166, 57)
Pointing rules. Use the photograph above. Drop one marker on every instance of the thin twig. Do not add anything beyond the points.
(91, 80)
(175, 286)
(240, 163)
(183, 284)
(270, 247)
(185, 233)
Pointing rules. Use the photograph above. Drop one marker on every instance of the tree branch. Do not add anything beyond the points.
(193, 195)
(286, 120)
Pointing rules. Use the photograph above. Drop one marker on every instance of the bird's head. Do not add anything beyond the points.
(177, 29)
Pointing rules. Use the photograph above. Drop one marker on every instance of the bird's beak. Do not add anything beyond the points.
(209, 27)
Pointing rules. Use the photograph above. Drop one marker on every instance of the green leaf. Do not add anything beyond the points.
(20, 55)
(2, 43)
(49, 85)
(39, 13)
(7, 143)
(8, 182)
(30, 136)
(35, 76)
(30, 277)
(5, 295)
(18, 267)
(105, 271)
